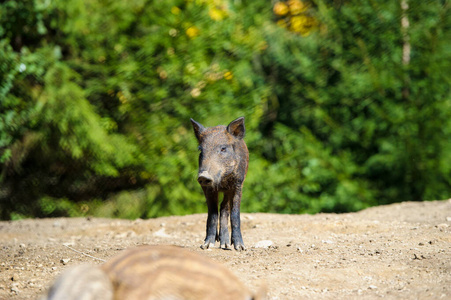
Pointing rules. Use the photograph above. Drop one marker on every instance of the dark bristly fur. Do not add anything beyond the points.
(223, 163)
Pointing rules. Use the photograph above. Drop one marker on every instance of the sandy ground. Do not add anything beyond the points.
(399, 251)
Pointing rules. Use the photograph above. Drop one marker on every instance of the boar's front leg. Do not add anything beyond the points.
(237, 239)
(212, 220)
(224, 220)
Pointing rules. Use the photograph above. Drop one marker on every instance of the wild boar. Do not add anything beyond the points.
(167, 272)
(151, 272)
(223, 164)
(82, 282)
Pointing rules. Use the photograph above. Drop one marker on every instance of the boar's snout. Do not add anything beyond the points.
(205, 179)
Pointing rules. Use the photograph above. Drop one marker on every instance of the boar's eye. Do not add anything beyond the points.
(223, 148)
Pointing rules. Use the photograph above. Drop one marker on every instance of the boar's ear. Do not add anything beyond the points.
(237, 128)
(198, 129)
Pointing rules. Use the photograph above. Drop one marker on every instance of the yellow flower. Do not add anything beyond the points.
(297, 7)
(297, 23)
(280, 9)
(302, 24)
(228, 75)
(192, 32)
(216, 14)
(175, 10)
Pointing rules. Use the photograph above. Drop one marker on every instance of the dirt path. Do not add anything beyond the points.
(399, 251)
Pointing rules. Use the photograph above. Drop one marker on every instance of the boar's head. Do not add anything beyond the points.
(223, 154)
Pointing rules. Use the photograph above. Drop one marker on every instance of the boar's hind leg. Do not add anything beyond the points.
(212, 220)
(224, 221)
(237, 239)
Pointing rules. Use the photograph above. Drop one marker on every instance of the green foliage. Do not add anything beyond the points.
(96, 96)
(369, 129)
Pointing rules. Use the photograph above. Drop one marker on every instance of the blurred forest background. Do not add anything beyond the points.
(347, 103)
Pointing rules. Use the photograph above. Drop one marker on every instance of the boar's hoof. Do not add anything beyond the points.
(226, 246)
(207, 245)
(237, 242)
(240, 247)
